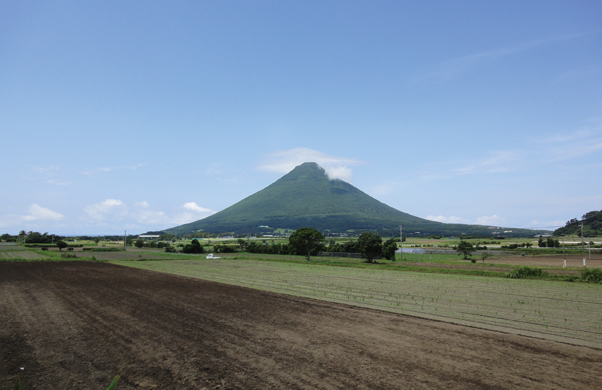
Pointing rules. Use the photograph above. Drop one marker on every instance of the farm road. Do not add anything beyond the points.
(77, 324)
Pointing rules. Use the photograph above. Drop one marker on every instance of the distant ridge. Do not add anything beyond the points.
(307, 197)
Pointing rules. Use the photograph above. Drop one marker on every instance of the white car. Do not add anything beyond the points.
(210, 256)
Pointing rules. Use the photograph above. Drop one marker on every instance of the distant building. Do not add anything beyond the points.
(149, 236)
(410, 250)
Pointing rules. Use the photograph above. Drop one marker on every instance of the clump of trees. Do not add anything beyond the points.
(194, 247)
(549, 242)
(592, 225)
(31, 238)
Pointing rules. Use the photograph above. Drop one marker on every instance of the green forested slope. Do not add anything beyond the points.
(592, 225)
(307, 197)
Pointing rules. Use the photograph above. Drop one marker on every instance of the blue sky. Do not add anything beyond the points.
(138, 115)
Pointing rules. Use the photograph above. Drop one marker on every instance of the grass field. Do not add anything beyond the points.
(560, 311)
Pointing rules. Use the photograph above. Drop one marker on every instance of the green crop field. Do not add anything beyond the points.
(14, 252)
(560, 311)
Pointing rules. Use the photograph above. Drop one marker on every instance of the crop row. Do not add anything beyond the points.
(555, 310)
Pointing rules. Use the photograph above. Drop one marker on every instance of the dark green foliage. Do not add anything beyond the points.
(370, 245)
(389, 248)
(306, 240)
(8, 238)
(592, 275)
(273, 249)
(194, 247)
(96, 249)
(541, 243)
(139, 243)
(526, 272)
(307, 197)
(548, 242)
(61, 245)
(346, 247)
(224, 248)
(465, 248)
(592, 225)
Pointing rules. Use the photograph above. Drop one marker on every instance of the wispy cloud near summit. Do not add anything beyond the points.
(286, 160)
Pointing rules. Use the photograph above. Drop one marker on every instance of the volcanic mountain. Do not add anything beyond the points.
(306, 197)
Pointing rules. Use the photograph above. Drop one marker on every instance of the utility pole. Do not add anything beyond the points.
(125, 232)
(582, 245)
(589, 249)
(400, 242)
(563, 251)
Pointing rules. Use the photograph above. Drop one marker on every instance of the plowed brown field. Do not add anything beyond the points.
(77, 324)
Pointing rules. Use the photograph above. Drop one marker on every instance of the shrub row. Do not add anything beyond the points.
(103, 249)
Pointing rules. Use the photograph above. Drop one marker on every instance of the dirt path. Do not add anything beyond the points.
(76, 325)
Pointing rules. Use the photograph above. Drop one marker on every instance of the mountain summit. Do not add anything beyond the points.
(307, 197)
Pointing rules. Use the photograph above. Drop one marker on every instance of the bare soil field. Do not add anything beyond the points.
(77, 324)
(549, 260)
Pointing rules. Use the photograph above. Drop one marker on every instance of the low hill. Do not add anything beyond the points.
(307, 197)
(592, 225)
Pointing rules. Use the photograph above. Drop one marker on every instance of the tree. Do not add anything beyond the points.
(541, 243)
(465, 248)
(139, 243)
(242, 244)
(305, 241)
(389, 248)
(62, 244)
(194, 247)
(370, 245)
(96, 240)
(485, 255)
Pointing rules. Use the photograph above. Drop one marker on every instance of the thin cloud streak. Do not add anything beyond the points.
(452, 68)
(96, 171)
(286, 160)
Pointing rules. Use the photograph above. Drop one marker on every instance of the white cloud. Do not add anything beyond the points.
(108, 206)
(484, 220)
(547, 225)
(489, 220)
(195, 207)
(452, 219)
(149, 217)
(142, 215)
(37, 213)
(192, 212)
(286, 160)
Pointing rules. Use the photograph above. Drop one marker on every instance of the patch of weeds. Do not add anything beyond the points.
(17, 385)
(68, 256)
(592, 275)
(526, 272)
